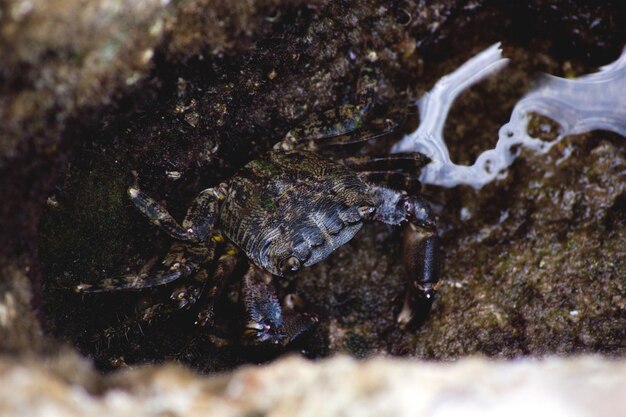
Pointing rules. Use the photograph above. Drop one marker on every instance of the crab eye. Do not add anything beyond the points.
(291, 264)
(365, 211)
(408, 206)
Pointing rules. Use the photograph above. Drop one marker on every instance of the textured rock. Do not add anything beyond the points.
(63, 61)
(341, 386)
(534, 265)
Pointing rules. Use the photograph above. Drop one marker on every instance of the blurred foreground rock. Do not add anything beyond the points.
(585, 386)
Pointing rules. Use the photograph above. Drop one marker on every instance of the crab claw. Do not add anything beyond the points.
(421, 261)
(263, 334)
(268, 323)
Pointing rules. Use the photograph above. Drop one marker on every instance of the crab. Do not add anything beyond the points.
(286, 210)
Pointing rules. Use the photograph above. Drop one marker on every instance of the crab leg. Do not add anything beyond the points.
(200, 218)
(399, 180)
(204, 212)
(133, 326)
(223, 271)
(336, 127)
(405, 162)
(181, 261)
(130, 282)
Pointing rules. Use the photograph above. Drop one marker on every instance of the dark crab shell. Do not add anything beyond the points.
(293, 204)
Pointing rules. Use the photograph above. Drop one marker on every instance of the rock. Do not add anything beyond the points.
(534, 265)
(63, 63)
(584, 386)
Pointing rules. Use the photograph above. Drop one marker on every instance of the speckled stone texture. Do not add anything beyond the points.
(587, 386)
(187, 92)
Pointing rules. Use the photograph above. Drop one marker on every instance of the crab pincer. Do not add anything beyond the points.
(421, 260)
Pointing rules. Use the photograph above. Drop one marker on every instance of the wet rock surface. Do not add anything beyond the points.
(542, 274)
(533, 265)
